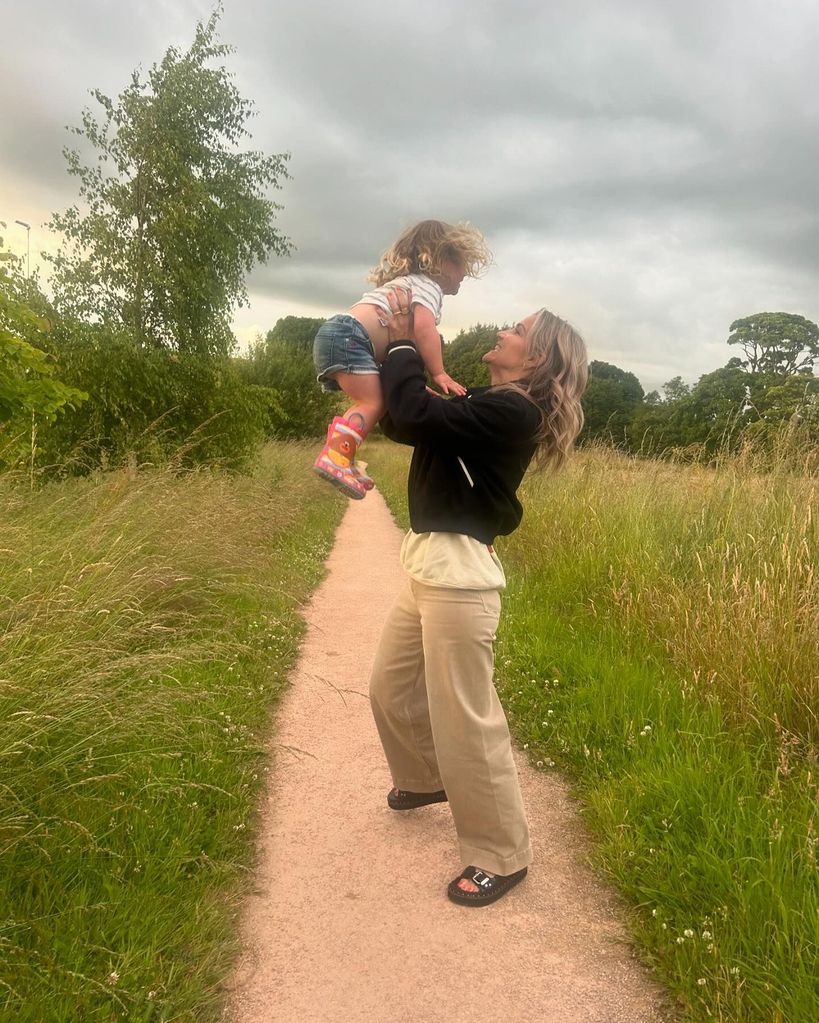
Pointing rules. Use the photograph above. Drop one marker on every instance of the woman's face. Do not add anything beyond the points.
(510, 354)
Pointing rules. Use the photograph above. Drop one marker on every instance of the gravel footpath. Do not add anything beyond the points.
(348, 918)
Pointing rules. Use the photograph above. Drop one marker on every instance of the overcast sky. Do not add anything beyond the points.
(648, 169)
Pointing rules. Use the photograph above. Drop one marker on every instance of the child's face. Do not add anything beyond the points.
(453, 272)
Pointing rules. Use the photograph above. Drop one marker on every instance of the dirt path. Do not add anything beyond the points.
(349, 919)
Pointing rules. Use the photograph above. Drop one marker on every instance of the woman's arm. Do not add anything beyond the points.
(487, 420)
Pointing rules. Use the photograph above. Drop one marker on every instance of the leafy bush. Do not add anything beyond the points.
(150, 404)
(283, 363)
(28, 386)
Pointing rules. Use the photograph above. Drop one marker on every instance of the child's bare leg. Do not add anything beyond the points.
(368, 397)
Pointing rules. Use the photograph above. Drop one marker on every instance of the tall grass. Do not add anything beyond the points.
(718, 567)
(147, 622)
(660, 642)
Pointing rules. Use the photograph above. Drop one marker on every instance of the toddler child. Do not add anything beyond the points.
(428, 261)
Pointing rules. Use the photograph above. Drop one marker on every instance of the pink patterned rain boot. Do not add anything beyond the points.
(337, 458)
(358, 469)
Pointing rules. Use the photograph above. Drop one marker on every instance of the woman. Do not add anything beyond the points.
(441, 724)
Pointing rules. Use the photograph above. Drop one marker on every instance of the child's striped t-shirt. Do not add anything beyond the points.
(424, 291)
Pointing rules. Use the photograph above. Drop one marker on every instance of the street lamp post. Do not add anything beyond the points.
(22, 223)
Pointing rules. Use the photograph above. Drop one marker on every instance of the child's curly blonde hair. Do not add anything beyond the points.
(421, 249)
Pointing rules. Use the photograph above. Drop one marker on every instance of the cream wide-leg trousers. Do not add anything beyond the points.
(441, 723)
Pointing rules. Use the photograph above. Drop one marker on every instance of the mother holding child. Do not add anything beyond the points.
(441, 724)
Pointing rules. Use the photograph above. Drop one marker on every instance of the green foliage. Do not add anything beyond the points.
(776, 343)
(786, 407)
(745, 401)
(675, 389)
(714, 412)
(151, 404)
(724, 411)
(609, 403)
(462, 357)
(175, 216)
(295, 334)
(28, 386)
(148, 275)
(283, 363)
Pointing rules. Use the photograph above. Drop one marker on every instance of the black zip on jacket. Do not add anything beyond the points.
(470, 451)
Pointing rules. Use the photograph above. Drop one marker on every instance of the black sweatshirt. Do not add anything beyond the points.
(470, 452)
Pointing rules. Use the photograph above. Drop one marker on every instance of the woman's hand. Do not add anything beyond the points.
(399, 325)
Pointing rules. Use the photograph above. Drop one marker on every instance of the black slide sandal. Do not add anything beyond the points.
(398, 799)
(489, 888)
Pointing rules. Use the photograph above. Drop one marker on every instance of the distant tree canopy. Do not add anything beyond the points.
(780, 343)
(462, 357)
(175, 216)
(609, 402)
(282, 363)
(771, 388)
(295, 333)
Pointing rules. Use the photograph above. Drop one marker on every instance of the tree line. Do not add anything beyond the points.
(753, 398)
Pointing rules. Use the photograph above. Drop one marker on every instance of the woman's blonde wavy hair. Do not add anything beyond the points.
(422, 249)
(555, 386)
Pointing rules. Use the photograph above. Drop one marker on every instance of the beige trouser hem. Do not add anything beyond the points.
(494, 864)
(441, 723)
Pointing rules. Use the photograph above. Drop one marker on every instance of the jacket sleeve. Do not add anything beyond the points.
(488, 420)
(388, 427)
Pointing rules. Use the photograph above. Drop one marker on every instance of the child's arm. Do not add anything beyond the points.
(428, 341)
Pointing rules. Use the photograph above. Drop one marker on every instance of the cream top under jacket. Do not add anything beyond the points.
(451, 560)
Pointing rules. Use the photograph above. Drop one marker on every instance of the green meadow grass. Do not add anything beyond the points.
(148, 621)
(660, 644)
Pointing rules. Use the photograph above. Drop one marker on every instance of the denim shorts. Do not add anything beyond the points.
(342, 345)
